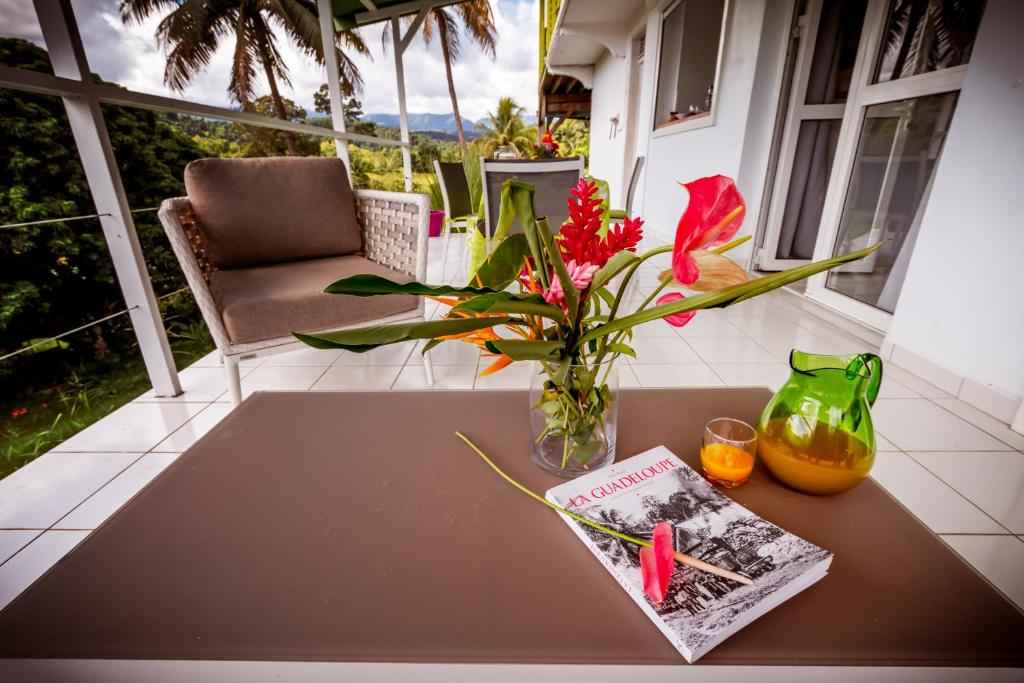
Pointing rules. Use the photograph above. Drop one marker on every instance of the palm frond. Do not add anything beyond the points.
(479, 23)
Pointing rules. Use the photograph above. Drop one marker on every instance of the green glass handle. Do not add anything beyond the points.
(874, 364)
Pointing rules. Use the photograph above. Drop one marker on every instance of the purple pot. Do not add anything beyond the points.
(436, 223)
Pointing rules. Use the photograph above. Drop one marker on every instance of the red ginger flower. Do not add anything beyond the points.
(580, 238)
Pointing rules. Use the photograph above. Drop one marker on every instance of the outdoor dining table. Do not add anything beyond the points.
(313, 534)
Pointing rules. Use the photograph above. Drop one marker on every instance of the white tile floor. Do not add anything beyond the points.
(958, 469)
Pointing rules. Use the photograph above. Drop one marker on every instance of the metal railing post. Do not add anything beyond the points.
(333, 80)
(64, 43)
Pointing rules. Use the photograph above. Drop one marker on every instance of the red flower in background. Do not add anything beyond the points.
(713, 216)
(580, 238)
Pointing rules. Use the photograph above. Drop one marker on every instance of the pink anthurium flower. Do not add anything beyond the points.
(656, 563)
(713, 216)
(679, 319)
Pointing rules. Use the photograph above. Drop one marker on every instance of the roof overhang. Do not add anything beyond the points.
(584, 30)
(354, 13)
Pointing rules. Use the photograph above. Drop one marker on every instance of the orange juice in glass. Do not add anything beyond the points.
(727, 452)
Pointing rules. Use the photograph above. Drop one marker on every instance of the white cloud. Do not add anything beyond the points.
(128, 55)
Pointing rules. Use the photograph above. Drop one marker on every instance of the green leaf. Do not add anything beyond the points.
(572, 295)
(368, 338)
(619, 347)
(521, 204)
(510, 302)
(606, 296)
(616, 264)
(431, 344)
(729, 295)
(527, 349)
(374, 285)
(502, 267)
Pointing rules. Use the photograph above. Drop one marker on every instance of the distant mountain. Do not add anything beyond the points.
(423, 122)
(434, 122)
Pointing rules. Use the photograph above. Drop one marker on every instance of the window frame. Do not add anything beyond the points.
(696, 121)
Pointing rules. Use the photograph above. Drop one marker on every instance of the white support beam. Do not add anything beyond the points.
(393, 11)
(403, 113)
(67, 55)
(333, 80)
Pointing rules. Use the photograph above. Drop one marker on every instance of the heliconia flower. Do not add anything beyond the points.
(679, 319)
(580, 274)
(713, 216)
(656, 563)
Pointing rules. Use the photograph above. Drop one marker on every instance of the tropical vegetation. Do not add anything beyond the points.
(193, 30)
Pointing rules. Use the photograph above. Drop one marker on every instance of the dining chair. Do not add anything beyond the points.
(457, 198)
(260, 239)
(552, 178)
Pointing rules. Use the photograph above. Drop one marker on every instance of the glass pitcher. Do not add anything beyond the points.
(816, 433)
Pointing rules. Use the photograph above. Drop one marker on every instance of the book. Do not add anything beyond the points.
(700, 609)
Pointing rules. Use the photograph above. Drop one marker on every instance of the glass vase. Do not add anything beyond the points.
(573, 416)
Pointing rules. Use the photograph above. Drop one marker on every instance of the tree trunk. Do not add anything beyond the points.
(442, 28)
(275, 96)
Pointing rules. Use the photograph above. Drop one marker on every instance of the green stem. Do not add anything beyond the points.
(540, 499)
(625, 285)
(720, 250)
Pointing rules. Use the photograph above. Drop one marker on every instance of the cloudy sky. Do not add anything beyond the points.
(128, 55)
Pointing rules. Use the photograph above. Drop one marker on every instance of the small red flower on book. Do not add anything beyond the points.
(656, 563)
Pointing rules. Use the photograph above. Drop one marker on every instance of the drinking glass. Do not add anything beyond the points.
(728, 451)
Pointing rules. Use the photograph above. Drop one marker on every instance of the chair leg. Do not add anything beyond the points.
(428, 368)
(234, 379)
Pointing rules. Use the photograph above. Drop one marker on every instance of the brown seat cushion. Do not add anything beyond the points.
(266, 302)
(273, 210)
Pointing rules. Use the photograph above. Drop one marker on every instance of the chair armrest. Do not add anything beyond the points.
(395, 228)
(174, 215)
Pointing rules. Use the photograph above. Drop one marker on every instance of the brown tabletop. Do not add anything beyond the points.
(354, 527)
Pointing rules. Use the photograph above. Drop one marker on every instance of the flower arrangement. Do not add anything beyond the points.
(558, 300)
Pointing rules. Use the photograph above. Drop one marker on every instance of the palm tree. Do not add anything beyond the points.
(442, 22)
(505, 127)
(194, 29)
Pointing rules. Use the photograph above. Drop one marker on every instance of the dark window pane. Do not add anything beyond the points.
(900, 143)
(808, 182)
(690, 38)
(927, 35)
(835, 51)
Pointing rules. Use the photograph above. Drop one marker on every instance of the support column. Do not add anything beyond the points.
(403, 114)
(333, 80)
(64, 43)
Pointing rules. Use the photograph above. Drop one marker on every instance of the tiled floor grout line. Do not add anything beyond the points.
(957, 491)
(977, 426)
(78, 505)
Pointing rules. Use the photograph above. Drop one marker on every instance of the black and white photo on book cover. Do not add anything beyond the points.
(634, 495)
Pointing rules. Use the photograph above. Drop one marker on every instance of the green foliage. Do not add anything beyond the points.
(368, 338)
(505, 128)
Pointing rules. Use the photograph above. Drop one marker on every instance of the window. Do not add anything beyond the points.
(691, 36)
(927, 35)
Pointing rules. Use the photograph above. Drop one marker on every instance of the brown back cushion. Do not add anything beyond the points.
(256, 211)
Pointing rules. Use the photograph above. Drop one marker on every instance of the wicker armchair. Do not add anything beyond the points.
(251, 310)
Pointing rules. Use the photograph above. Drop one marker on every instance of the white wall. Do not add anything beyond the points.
(962, 304)
(607, 145)
(689, 154)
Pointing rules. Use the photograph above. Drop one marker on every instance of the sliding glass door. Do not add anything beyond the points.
(860, 175)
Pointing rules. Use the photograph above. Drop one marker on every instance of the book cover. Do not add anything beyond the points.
(700, 609)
